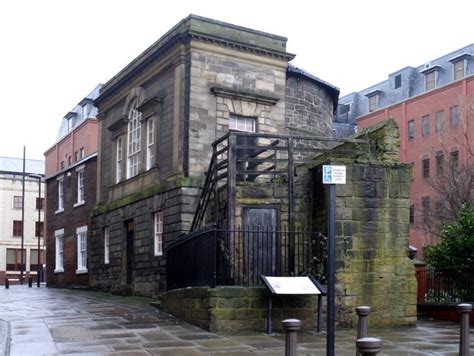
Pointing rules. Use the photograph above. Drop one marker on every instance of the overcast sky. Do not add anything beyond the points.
(54, 52)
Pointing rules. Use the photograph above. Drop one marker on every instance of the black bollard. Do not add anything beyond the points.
(7, 283)
(362, 312)
(464, 309)
(30, 282)
(291, 327)
(369, 346)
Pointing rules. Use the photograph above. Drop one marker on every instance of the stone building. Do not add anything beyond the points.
(158, 118)
(432, 105)
(11, 227)
(71, 171)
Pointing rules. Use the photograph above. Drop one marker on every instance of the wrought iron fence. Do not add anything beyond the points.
(210, 257)
(444, 285)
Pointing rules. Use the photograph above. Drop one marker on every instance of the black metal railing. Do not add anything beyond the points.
(210, 256)
(444, 285)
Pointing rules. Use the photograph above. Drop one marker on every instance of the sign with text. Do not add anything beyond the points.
(334, 174)
(291, 285)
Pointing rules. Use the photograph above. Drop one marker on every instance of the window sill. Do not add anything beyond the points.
(158, 255)
(79, 203)
(81, 271)
(59, 211)
(59, 270)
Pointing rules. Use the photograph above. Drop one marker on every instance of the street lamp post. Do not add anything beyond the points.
(38, 273)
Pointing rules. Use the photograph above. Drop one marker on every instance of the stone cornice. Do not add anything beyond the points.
(244, 95)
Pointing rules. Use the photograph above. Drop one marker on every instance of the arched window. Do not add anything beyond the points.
(134, 141)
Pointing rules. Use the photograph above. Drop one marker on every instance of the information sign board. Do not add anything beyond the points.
(291, 285)
(334, 174)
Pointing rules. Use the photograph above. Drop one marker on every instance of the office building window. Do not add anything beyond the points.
(150, 143)
(14, 259)
(373, 103)
(80, 185)
(439, 163)
(134, 141)
(118, 160)
(17, 202)
(106, 245)
(17, 228)
(398, 81)
(454, 159)
(60, 194)
(82, 153)
(440, 121)
(411, 129)
(459, 69)
(454, 116)
(81, 249)
(425, 163)
(39, 203)
(59, 234)
(158, 234)
(430, 80)
(39, 228)
(426, 125)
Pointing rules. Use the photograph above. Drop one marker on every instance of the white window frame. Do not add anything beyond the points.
(435, 80)
(81, 234)
(134, 138)
(81, 197)
(60, 194)
(106, 245)
(118, 160)
(59, 251)
(150, 143)
(242, 123)
(158, 233)
(464, 66)
(82, 153)
(13, 202)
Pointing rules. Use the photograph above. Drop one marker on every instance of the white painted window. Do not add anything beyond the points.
(60, 194)
(80, 186)
(59, 234)
(118, 161)
(106, 245)
(242, 123)
(150, 143)
(134, 142)
(431, 79)
(17, 202)
(158, 234)
(81, 249)
(82, 153)
(459, 70)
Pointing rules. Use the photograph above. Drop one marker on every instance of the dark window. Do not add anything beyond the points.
(454, 116)
(76, 156)
(454, 158)
(39, 229)
(412, 214)
(17, 228)
(426, 125)
(425, 207)
(39, 203)
(411, 129)
(440, 121)
(439, 163)
(426, 167)
(62, 164)
(398, 81)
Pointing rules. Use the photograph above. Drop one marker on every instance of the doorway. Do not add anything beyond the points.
(130, 250)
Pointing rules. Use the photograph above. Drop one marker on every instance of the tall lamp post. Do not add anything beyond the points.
(40, 206)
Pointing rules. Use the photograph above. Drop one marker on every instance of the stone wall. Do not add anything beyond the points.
(237, 308)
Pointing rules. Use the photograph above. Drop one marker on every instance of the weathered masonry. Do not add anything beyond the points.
(158, 118)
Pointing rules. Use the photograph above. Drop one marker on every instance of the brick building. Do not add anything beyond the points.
(11, 227)
(433, 107)
(71, 171)
(158, 118)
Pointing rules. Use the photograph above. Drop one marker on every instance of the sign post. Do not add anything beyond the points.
(332, 175)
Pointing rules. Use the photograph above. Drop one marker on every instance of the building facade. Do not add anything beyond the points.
(158, 118)
(433, 107)
(11, 226)
(71, 170)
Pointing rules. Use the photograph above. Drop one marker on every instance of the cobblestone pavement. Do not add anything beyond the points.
(45, 321)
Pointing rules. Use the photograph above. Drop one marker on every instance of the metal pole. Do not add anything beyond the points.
(38, 273)
(362, 323)
(465, 309)
(291, 327)
(369, 346)
(22, 218)
(331, 293)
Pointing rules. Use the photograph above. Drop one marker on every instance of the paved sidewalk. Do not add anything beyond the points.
(44, 321)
